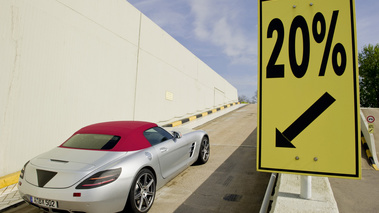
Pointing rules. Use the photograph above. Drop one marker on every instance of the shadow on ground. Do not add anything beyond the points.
(235, 186)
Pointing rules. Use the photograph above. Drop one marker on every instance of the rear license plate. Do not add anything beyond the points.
(44, 202)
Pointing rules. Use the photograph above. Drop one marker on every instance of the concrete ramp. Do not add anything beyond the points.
(372, 139)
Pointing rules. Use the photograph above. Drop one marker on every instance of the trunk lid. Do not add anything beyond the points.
(64, 167)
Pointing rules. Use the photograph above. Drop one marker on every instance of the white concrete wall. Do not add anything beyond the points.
(65, 64)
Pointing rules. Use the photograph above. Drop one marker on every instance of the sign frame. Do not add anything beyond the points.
(287, 142)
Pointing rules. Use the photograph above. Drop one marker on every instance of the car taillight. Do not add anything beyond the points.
(23, 170)
(100, 179)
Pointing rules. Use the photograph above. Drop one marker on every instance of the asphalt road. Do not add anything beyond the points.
(229, 181)
(358, 195)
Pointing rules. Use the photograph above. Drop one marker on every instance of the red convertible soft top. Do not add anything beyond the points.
(131, 133)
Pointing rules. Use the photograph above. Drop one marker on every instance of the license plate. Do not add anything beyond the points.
(44, 202)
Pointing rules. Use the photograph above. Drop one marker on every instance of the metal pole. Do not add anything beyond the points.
(305, 187)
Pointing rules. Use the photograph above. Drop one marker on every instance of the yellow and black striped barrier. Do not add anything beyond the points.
(9, 179)
(180, 122)
(368, 153)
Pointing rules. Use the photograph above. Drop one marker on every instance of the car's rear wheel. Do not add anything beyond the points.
(142, 192)
(204, 151)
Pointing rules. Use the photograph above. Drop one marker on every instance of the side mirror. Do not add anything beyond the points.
(176, 134)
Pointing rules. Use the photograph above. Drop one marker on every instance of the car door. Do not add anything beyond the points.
(172, 152)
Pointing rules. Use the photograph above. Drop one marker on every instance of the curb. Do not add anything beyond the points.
(180, 122)
(9, 179)
(368, 153)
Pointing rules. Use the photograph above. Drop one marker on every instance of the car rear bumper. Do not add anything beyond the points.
(109, 198)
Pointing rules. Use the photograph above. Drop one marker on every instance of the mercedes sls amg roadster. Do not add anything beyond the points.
(110, 167)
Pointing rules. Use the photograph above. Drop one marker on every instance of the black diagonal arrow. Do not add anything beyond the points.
(284, 139)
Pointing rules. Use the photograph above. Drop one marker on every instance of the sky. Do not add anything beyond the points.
(224, 33)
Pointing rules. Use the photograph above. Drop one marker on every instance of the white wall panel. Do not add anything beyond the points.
(67, 63)
(118, 17)
(160, 44)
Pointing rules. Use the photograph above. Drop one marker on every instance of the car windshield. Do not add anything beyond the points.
(92, 141)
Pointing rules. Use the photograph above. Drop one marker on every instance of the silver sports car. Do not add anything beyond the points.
(110, 167)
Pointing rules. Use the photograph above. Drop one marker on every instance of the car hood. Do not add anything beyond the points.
(64, 167)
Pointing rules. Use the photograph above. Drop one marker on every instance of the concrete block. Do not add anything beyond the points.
(287, 196)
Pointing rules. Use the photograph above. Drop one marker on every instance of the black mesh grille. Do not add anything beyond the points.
(44, 177)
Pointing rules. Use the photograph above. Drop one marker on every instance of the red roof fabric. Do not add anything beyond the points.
(131, 133)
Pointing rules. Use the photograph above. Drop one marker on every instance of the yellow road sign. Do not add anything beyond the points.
(371, 128)
(308, 104)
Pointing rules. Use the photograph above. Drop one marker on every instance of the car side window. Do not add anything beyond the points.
(157, 135)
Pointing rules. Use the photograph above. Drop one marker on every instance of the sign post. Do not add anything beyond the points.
(308, 101)
(305, 187)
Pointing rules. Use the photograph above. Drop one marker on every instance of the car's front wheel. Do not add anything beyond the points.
(204, 151)
(142, 193)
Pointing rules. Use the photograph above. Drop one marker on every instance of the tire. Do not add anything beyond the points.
(204, 151)
(142, 193)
